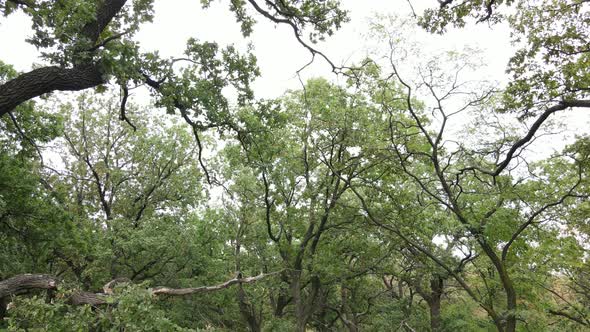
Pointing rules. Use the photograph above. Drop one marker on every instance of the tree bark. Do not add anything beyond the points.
(247, 310)
(45, 80)
(93, 299)
(300, 309)
(280, 304)
(350, 322)
(105, 12)
(26, 282)
(436, 290)
(507, 284)
(21, 284)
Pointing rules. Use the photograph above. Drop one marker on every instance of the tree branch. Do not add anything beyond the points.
(568, 316)
(562, 105)
(23, 283)
(206, 289)
(47, 79)
(105, 12)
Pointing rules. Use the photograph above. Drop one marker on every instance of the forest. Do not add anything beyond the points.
(402, 191)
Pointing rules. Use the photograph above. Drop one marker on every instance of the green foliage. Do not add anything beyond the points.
(132, 309)
(99, 34)
(321, 17)
(360, 207)
(34, 314)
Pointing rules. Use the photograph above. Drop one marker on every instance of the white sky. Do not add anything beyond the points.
(279, 55)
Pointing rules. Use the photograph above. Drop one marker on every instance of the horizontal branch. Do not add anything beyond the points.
(24, 283)
(205, 289)
(47, 79)
(82, 298)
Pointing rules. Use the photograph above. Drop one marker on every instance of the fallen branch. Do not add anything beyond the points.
(22, 284)
(205, 289)
(25, 283)
(92, 299)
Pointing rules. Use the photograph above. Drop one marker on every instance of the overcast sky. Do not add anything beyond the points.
(279, 55)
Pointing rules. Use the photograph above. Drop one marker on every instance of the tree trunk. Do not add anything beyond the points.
(507, 284)
(511, 305)
(300, 310)
(436, 290)
(247, 310)
(280, 304)
(346, 315)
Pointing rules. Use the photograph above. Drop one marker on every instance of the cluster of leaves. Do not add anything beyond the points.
(135, 310)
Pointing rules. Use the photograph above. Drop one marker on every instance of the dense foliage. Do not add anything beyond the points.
(405, 199)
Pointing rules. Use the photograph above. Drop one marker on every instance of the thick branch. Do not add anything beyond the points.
(105, 12)
(26, 3)
(82, 298)
(533, 130)
(48, 79)
(45, 80)
(530, 135)
(25, 282)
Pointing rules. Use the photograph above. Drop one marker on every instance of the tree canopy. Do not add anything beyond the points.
(409, 195)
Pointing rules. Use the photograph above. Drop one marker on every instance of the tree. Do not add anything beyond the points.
(284, 174)
(129, 208)
(406, 199)
(90, 43)
(491, 209)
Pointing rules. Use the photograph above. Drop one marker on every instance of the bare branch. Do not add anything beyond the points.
(512, 152)
(206, 289)
(123, 115)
